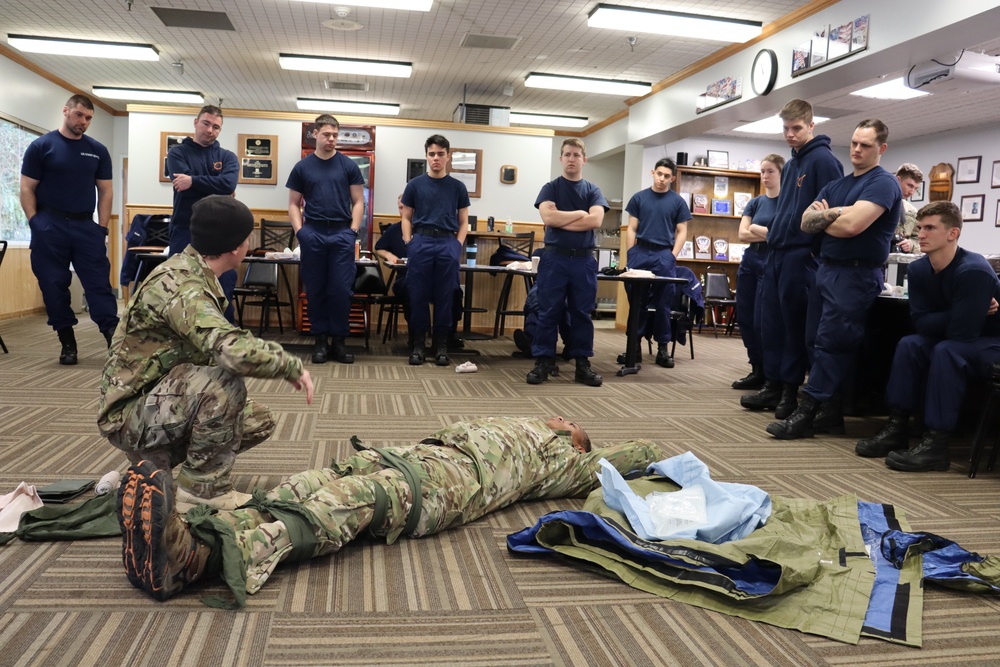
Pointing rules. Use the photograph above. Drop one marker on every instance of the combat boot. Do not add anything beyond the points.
(621, 357)
(441, 350)
(339, 353)
(753, 380)
(585, 374)
(68, 355)
(108, 333)
(417, 355)
(159, 553)
(931, 453)
(799, 424)
(543, 368)
(765, 399)
(786, 406)
(320, 350)
(829, 417)
(663, 357)
(894, 435)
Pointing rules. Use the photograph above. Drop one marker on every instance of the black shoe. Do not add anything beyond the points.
(663, 357)
(586, 375)
(765, 399)
(931, 454)
(338, 352)
(441, 352)
(786, 406)
(320, 350)
(455, 343)
(752, 380)
(68, 355)
(107, 335)
(522, 341)
(543, 368)
(620, 359)
(799, 424)
(829, 417)
(417, 355)
(893, 436)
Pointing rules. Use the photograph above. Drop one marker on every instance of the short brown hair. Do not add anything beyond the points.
(575, 142)
(210, 109)
(776, 160)
(949, 213)
(881, 129)
(325, 119)
(909, 170)
(82, 100)
(797, 110)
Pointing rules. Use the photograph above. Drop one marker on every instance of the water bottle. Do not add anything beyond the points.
(510, 226)
(470, 254)
(614, 259)
(489, 224)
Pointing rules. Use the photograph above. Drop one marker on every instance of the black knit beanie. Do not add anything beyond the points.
(219, 223)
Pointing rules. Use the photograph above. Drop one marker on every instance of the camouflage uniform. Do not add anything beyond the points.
(173, 391)
(907, 227)
(461, 473)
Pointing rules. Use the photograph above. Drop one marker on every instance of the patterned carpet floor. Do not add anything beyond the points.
(458, 598)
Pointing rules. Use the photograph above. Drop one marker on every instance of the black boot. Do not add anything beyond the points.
(320, 350)
(931, 453)
(585, 374)
(522, 341)
(799, 424)
(621, 357)
(417, 355)
(441, 350)
(108, 333)
(663, 357)
(765, 399)
(339, 353)
(894, 435)
(68, 355)
(543, 368)
(753, 380)
(454, 342)
(786, 406)
(830, 417)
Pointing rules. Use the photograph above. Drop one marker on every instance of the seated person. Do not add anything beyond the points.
(953, 305)
(458, 475)
(173, 391)
(905, 239)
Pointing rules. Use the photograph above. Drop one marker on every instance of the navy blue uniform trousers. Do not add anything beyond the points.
(749, 279)
(662, 263)
(788, 279)
(56, 242)
(937, 372)
(180, 237)
(328, 273)
(565, 284)
(432, 276)
(838, 311)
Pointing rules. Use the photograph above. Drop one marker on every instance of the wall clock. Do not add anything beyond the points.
(764, 72)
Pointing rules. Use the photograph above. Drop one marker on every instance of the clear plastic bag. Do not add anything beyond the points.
(678, 510)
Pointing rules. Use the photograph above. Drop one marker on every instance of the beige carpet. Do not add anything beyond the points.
(458, 598)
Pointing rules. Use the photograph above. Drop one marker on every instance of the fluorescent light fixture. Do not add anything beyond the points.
(84, 48)
(582, 84)
(413, 5)
(147, 95)
(345, 65)
(547, 120)
(895, 89)
(677, 24)
(307, 104)
(772, 125)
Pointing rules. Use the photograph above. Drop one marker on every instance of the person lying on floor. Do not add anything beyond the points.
(456, 476)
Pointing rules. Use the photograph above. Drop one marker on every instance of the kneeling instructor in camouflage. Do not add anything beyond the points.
(457, 475)
(172, 391)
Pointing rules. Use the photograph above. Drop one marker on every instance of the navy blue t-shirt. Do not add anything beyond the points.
(952, 303)
(326, 186)
(761, 210)
(571, 196)
(436, 202)
(658, 214)
(67, 171)
(877, 186)
(213, 171)
(392, 240)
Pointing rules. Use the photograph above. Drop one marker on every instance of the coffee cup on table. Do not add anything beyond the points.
(534, 262)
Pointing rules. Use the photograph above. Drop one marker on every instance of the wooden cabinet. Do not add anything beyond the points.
(717, 190)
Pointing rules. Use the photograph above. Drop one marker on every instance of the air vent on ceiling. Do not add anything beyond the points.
(481, 114)
(192, 18)
(472, 41)
(345, 85)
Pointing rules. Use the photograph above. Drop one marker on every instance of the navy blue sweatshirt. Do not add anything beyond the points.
(213, 171)
(810, 168)
(952, 304)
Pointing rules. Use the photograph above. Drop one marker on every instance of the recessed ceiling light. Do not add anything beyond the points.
(413, 5)
(587, 85)
(345, 65)
(676, 24)
(772, 125)
(148, 95)
(83, 48)
(895, 89)
(308, 104)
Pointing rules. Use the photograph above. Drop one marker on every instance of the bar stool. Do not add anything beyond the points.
(992, 403)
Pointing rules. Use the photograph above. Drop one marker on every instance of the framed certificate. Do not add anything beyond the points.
(167, 141)
(258, 155)
(257, 170)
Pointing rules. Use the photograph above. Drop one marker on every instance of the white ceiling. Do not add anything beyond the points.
(240, 67)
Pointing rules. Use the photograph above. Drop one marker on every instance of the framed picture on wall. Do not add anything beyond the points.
(167, 141)
(718, 159)
(995, 180)
(972, 208)
(918, 194)
(997, 222)
(968, 169)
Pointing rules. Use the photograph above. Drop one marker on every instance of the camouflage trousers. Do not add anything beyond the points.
(197, 417)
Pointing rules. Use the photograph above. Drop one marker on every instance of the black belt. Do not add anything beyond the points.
(570, 252)
(69, 215)
(336, 224)
(433, 232)
(857, 263)
(650, 245)
(760, 246)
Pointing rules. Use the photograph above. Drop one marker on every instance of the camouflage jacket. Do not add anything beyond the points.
(176, 317)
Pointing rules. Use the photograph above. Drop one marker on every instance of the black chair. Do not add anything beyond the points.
(989, 412)
(719, 299)
(682, 321)
(3, 251)
(260, 281)
(389, 307)
(369, 289)
(523, 243)
(276, 235)
(156, 239)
